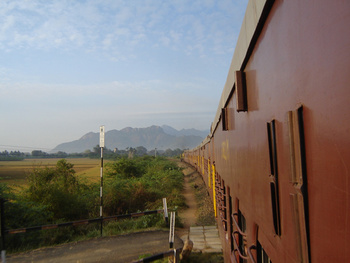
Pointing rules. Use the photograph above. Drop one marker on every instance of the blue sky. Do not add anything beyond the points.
(67, 67)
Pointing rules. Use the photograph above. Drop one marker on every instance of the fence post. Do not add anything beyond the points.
(2, 232)
(172, 230)
(102, 144)
(176, 256)
(165, 208)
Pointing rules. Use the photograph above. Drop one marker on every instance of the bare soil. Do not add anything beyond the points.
(188, 215)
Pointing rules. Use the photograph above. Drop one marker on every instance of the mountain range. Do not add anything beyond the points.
(160, 137)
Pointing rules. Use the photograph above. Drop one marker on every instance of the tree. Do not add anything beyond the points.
(59, 189)
(126, 168)
(61, 154)
(38, 153)
(168, 152)
(97, 149)
(140, 151)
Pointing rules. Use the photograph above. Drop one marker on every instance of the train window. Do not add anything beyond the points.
(224, 119)
(275, 212)
(271, 134)
(241, 91)
(261, 255)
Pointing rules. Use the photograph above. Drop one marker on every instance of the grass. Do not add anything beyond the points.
(14, 172)
(127, 226)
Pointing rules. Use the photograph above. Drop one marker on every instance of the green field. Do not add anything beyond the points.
(14, 172)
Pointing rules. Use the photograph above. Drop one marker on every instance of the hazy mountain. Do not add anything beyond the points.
(162, 138)
(184, 132)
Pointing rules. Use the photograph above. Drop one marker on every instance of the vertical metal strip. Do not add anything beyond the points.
(101, 191)
(172, 230)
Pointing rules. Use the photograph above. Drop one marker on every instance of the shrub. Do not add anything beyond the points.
(59, 190)
(156, 178)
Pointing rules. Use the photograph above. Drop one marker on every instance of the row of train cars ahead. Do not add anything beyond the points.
(277, 159)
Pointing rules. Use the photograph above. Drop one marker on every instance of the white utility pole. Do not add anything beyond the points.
(102, 145)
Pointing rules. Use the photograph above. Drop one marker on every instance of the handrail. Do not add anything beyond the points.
(250, 253)
(233, 255)
(81, 222)
(237, 249)
(236, 223)
(224, 219)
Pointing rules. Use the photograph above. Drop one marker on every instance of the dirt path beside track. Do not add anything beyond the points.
(189, 215)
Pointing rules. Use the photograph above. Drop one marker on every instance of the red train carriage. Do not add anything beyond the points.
(277, 159)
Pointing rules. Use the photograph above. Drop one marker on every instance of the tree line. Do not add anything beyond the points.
(129, 152)
(12, 156)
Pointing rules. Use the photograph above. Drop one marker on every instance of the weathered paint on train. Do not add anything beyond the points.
(277, 159)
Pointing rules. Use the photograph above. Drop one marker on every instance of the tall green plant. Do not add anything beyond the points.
(59, 189)
(141, 183)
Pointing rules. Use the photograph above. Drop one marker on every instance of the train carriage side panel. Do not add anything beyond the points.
(281, 163)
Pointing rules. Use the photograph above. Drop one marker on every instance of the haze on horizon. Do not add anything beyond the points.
(67, 67)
